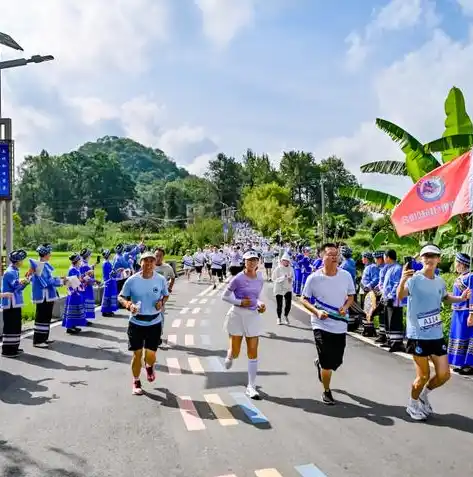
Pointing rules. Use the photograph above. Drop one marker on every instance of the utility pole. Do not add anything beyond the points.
(322, 192)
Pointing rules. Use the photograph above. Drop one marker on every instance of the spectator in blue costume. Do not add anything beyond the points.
(120, 265)
(381, 308)
(74, 310)
(297, 284)
(12, 302)
(88, 277)
(369, 280)
(110, 294)
(348, 263)
(44, 294)
(306, 265)
(460, 344)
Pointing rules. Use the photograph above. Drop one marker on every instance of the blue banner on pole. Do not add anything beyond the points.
(225, 228)
(5, 170)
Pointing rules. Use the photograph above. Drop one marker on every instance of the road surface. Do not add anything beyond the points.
(69, 411)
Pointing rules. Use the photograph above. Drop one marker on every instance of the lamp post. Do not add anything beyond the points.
(6, 135)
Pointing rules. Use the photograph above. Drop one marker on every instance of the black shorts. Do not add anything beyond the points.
(217, 272)
(268, 265)
(147, 337)
(209, 266)
(426, 348)
(330, 348)
(235, 270)
(198, 268)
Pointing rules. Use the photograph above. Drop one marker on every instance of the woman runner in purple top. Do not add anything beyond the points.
(243, 319)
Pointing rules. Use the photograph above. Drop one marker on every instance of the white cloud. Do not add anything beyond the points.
(394, 16)
(410, 93)
(199, 165)
(467, 6)
(223, 19)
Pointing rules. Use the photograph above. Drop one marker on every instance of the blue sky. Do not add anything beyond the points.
(196, 77)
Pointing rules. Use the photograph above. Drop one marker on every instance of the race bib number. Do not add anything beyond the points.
(429, 320)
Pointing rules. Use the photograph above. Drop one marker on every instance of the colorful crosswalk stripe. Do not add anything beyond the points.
(204, 292)
(196, 367)
(190, 323)
(215, 364)
(309, 470)
(195, 311)
(204, 322)
(189, 340)
(205, 339)
(228, 475)
(173, 366)
(184, 311)
(189, 414)
(223, 415)
(251, 411)
(267, 473)
(176, 323)
(172, 339)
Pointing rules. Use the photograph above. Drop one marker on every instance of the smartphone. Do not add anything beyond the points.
(408, 262)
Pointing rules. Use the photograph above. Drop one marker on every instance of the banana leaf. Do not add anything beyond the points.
(376, 200)
(457, 122)
(457, 141)
(394, 168)
(418, 162)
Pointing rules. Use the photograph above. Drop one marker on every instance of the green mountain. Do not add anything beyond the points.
(143, 163)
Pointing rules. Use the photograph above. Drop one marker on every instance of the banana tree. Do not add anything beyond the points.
(458, 135)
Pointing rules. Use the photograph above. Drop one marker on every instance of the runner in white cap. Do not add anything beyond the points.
(243, 318)
(425, 292)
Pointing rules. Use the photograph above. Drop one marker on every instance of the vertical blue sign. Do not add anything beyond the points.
(225, 228)
(5, 170)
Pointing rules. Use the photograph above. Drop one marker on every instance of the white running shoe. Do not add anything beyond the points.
(425, 403)
(228, 362)
(415, 410)
(251, 392)
(286, 320)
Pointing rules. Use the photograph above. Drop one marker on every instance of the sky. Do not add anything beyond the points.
(198, 77)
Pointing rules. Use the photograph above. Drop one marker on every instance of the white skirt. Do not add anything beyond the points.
(188, 267)
(243, 322)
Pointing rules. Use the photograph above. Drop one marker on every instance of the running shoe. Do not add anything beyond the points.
(415, 410)
(150, 374)
(279, 321)
(327, 398)
(425, 405)
(286, 320)
(137, 390)
(252, 393)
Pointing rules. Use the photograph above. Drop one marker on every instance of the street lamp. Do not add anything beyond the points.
(5, 134)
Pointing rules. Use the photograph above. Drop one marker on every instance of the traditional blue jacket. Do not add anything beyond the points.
(44, 286)
(370, 277)
(11, 284)
(350, 266)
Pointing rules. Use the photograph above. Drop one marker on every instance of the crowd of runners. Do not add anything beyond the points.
(325, 280)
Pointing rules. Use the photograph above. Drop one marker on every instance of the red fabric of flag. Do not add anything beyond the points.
(436, 197)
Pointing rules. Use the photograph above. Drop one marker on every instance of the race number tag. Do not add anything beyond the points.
(430, 319)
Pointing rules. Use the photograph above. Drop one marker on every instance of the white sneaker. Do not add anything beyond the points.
(415, 410)
(251, 392)
(425, 403)
(228, 362)
(286, 320)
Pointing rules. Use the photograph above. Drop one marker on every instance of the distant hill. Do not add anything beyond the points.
(143, 163)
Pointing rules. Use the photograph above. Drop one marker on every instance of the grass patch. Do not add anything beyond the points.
(61, 264)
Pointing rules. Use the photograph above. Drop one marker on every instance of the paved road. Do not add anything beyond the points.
(69, 411)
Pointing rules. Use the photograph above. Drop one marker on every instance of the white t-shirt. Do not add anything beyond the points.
(332, 291)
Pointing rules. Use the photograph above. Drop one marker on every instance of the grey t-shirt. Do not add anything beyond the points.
(166, 271)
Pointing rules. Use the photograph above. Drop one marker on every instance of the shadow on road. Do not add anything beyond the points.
(17, 389)
(102, 336)
(19, 463)
(47, 363)
(378, 413)
(101, 353)
(202, 407)
(103, 326)
(273, 336)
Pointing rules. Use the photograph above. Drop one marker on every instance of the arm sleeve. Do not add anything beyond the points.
(229, 297)
(374, 277)
(410, 285)
(307, 292)
(351, 286)
(165, 291)
(126, 292)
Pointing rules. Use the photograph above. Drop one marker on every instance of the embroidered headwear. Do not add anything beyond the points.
(74, 258)
(119, 248)
(462, 258)
(85, 253)
(44, 249)
(346, 251)
(106, 253)
(378, 254)
(368, 255)
(17, 256)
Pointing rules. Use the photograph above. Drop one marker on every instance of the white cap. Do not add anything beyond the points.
(249, 255)
(433, 249)
(286, 257)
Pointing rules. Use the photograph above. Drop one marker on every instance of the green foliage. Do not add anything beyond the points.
(393, 168)
(375, 200)
(457, 122)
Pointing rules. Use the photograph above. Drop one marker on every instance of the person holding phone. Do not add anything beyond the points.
(243, 320)
(144, 296)
(425, 292)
